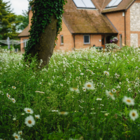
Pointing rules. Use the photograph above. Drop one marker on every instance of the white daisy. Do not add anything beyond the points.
(13, 100)
(99, 99)
(118, 86)
(114, 90)
(133, 114)
(29, 121)
(106, 73)
(20, 132)
(13, 87)
(28, 110)
(84, 89)
(129, 89)
(128, 100)
(16, 136)
(89, 85)
(106, 114)
(110, 94)
(14, 118)
(55, 111)
(80, 106)
(39, 92)
(22, 114)
(72, 139)
(1, 93)
(63, 113)
(8, 96)
(75, 89)
(37, 116)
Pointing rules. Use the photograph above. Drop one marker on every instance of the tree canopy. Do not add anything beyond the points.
(7, 19)
(22, 21)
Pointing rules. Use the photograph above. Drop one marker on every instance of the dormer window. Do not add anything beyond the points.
(113, 3)
(87, 4)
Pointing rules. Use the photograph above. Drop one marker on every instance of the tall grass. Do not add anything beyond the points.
(79, 97)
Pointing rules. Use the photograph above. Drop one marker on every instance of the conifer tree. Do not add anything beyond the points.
(6, 19)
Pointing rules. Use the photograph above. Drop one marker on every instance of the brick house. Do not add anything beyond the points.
(93, 22)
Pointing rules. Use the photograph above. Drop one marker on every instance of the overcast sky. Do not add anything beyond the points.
(18, 6)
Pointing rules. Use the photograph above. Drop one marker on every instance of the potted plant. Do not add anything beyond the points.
(114, 39)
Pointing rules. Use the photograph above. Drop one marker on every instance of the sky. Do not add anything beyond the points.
(18, 6)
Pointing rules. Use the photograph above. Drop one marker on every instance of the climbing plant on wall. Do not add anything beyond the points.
(43, 10)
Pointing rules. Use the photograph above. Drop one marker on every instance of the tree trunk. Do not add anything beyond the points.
(44, 49)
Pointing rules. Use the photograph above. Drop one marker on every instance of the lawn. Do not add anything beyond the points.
(82, 95)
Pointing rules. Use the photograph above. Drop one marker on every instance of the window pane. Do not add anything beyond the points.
(86, 39)
(114, 3)
(111, 3)
(62, 40)
(79, 3)
(117, 3)
(88, 4)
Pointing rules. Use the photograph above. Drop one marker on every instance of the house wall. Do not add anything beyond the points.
(94, 40)
(22, 44)
(134, 20)
(132, 16)
(67, 37)
(117, 19)
(30, 17)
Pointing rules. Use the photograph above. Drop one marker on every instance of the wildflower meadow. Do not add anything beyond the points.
(81, 95)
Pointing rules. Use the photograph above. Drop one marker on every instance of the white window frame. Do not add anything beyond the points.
(25, 43)
(61, 39)
(84, 39)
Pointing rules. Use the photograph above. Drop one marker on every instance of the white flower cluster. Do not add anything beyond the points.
(29, 121)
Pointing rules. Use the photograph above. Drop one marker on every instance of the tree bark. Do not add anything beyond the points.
(44, 49)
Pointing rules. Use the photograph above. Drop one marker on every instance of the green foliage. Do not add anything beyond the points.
(42, 12)
(22, 21)
(6, 19)
(48, 93)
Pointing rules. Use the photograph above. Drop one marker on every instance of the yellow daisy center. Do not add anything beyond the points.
(29, 121)
(88, 85)
(133, 114)
(28, 110)
(16, 137)
(62, 113)
(110, 93)
(128, 100)
(75, 88)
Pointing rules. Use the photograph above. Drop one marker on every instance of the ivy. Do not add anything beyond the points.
(43, 10)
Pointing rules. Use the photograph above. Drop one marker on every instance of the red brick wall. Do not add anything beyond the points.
(67, 39)
(94, 40)
(30, 17)
(117, 20)
(22, 44)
